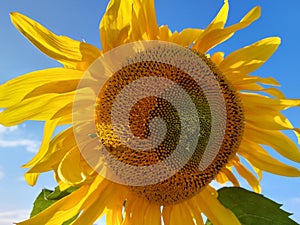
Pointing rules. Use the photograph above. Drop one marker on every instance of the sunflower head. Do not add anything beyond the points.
(155, 116)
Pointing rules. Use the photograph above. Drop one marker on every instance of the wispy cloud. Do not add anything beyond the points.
(29, 145)
(4, 130)
(9, 217)
(6, 140)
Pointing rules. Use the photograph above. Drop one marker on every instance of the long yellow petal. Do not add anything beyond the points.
(253, 102)
(71, 53)
(131, 210)
(250, 58)
(180, 215)
(72, 204)
(214, 210)
(275, 139)
(246, 174)
(152, 215)
(216, 34)
(218, 23)
(54, 80)
(146, 19)
(272, 120)
(221, 18)
(226, 175)
(244, 80)
(114, 215)
(166, 213)
(126, 21)
(58, 147)
(115, 24)
(49, 128)
(62, 210)
(104, 197)
(42, 107)
(261, 159)
(195, 210)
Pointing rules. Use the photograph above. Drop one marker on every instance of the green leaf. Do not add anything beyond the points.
(252, 208)
(47, 197)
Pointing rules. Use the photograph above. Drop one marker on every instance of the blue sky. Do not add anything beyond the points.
(79, 19)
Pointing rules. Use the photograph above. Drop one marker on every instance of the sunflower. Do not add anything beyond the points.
(225, 106)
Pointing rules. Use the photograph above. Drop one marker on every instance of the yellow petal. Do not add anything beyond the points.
(275, 139)
(272, 120)
(217, 57)
(244, 80)
(58, 147)
(114, 216)
(54, 80)
(214, 210)
(220, 20)
(180, 215)
(61, 211)
(246, 174)
(186, 37)
(215, 34)
(104, 197)
(71, 160)
(152, 215)
(253, 102)
(226, 175)
(195, 210)
(62, 186)
(72, 204)
(261, 159)
(297, 132)
(115, 24)
(42, 107)
(71, 53)
(49, 128)
(250, 58)
(146, 18)
(164, 33)
(129, 208)
(31, 178)
(258, 88)
(126, 21)
(166, 213)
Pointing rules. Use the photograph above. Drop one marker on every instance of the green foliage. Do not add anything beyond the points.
(253, 209)
(47, 197)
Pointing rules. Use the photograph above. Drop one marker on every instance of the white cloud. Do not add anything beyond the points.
(29, 145)
(4, 130)
(6, 140)
(10, 217)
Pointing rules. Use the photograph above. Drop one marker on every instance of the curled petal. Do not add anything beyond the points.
(215, 33)
(71, 53)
